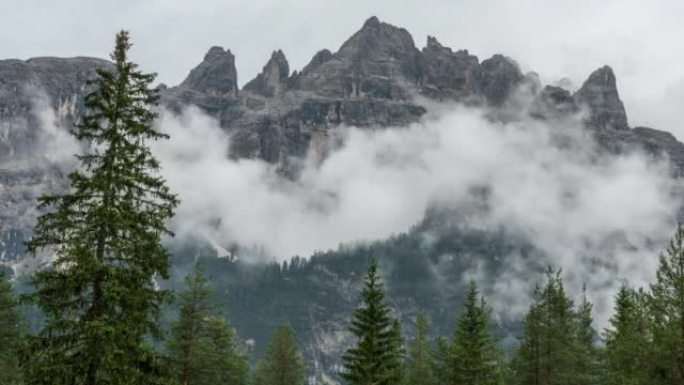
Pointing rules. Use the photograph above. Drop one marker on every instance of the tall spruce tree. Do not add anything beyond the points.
(225, 362)
(398, 351)
(282, 364)
(419, 362)
(373, 360)
(11, 333)
(442, 360)
(629, 341)
(202, 348)
(587, 365)
(99, 298)
(545, 355)
(476, 356)
(667, 306)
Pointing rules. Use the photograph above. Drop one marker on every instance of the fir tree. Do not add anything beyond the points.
(202, 348)
(476, 357)
(442, 360)
(282, 364)
(99, 297)
(587, 370)
(546, 353)
(419, 363)
(399, 352)
(629, 342)
(11, 332)
(373, 361)
(223, 361)
(667, 306)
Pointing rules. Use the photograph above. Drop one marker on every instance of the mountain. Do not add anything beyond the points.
(378, 78)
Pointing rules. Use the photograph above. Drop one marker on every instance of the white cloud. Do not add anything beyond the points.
(569, 201)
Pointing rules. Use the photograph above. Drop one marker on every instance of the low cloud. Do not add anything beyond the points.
(600, 218)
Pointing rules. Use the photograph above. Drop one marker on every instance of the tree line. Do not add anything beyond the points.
(101, 303)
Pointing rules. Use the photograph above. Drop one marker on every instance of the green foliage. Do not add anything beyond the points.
(398, 351)
(667, 307)
(11, 332)
(374, 359)
(586, 368)
(442, 360)
(629, 341)
(99, 299)
(282, 363)
(419, 362)
(548, 353)
(203, 348)
(475, 354)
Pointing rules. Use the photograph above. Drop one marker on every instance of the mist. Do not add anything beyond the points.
(600, 218)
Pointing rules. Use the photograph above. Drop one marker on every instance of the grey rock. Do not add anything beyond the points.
(319, 58)
(273, 78)
(378, 61)
(449, 75)
(29, 89)
(216, 75)
(500, 77)
(370, 82)
(553, 103)
(599, 93)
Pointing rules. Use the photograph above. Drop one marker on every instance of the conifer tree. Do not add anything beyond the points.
(442, 360)
(587, 371)
(11, 332)
(546, 353)
(476, 356)
(282, 364)
(202, 348)
(629, 342)
(419, 363)
(399, 352)
(373, 360)
(667, 306)
(224, 362)
(99, 299)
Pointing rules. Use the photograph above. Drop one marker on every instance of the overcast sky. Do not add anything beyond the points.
(641, 39)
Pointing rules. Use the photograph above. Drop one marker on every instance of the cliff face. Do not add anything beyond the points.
(36, 96)
(378, 78)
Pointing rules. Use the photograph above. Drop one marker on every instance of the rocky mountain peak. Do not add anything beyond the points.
(433, 43)
(272, 77)
(319, 58)
(378, 61)
(379, 41)
(599, 92)
(372, 22)
(449, 75)
(216, 74)
(500, 76)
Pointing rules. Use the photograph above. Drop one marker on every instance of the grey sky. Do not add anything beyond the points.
(640, 39)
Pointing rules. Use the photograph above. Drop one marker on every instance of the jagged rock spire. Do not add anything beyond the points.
(216, 74)
(500, 76)
(272, 78)
(599, 92)
(319, 58)
(378, 40)
(449, 75)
